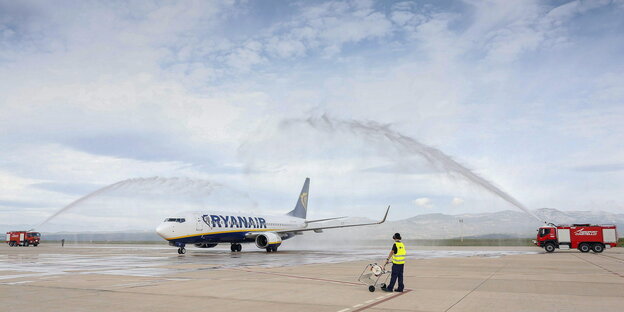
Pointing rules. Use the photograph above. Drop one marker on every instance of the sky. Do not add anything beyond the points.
(255, 96)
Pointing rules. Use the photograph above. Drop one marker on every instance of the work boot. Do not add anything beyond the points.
(398, 290)
(387, 289)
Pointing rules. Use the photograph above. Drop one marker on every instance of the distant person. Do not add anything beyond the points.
(397, 255)
(63, 242)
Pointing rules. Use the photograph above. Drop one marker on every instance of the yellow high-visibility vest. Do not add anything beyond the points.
(399, 256)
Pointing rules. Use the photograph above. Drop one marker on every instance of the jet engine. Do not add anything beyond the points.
(265, 239)
(205, 245)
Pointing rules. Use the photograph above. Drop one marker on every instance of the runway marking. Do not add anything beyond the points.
(477, 287)
(16, 283)
(358, 307)
(388, 297)
(612, 258)
(600, 266)
(369, 301)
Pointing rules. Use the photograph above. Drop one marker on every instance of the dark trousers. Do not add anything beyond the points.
(397, 273)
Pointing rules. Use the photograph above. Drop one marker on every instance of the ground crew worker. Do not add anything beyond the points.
(397, 255)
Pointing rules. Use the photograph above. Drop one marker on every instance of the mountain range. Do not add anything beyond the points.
(501, 224)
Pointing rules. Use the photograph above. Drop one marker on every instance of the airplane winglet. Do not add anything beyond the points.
(385, 216)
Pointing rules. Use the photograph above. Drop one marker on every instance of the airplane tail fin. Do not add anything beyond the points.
(301, 209)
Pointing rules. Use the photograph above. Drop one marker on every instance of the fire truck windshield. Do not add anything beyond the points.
(544, 231)
(34, 234)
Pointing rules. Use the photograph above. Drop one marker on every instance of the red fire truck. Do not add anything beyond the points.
(22, 238)
(584, 237)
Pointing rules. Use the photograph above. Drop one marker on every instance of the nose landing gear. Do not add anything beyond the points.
(181, 250)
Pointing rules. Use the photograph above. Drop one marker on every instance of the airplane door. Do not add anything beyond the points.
(200, 224)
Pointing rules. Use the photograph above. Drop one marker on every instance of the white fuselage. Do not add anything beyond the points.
(197, 227)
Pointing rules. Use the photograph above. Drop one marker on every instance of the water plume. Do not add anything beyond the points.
(375, 133)
(179, 186)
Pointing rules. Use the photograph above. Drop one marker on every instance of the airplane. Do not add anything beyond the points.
(209, 228)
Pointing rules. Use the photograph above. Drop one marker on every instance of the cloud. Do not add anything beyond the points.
(520, 92)
(457, 201)
(424, 202)
(601, 168)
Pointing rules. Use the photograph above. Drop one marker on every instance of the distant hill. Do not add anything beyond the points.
(496, 225)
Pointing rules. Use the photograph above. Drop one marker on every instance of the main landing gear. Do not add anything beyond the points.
(181, 250)
(271, 248)
(236, 247)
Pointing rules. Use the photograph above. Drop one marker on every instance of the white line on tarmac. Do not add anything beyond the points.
(369, 301)
(343, 310)
(358, 305)
(16, 283)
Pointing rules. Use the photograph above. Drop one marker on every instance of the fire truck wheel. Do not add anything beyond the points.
(584, 247)
(549, 247)
(35, 244)
(25, 244)
(597, 248)
(12, 244)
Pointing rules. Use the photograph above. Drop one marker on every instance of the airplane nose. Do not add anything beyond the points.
(163, 230)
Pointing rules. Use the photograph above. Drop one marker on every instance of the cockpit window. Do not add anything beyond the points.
(179, 220)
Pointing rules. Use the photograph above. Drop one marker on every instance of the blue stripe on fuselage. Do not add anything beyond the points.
(230, 237)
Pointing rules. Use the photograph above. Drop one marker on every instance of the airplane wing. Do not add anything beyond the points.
(321, 220)
(321, 228)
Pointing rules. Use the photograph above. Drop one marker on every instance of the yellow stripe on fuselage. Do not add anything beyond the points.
(211, 233)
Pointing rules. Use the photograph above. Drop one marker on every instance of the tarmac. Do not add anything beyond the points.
(155, 278)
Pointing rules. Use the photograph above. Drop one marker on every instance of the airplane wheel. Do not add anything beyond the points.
(269, 249)
(239, 247)
(233, 247)
(274, 248)
(181, 250)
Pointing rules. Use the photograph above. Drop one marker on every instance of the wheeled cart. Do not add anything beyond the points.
(373, 274)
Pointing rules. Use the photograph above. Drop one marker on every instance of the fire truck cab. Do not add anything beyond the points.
(584, 237)
(23, 238)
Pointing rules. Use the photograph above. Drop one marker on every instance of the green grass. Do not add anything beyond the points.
(621, 242)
